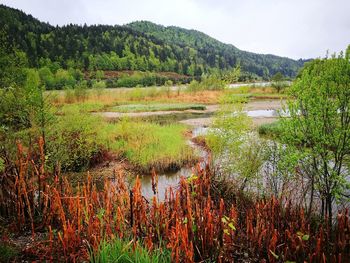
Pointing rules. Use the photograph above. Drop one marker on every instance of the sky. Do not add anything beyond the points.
(291, 28)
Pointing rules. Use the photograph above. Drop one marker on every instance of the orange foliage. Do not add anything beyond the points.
(189, 221)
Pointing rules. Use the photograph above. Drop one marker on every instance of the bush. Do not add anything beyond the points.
(73, 140)
(207, 83)
(99, 87)
(81, 91)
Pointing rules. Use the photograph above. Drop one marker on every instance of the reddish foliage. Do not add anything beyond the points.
(190, 222)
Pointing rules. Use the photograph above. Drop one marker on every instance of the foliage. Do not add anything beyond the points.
(99, 87)
(278, 82)
(73, 140)
(211, 82)
(193, 222)
(216, 54)
(238, 152)
(319, 126)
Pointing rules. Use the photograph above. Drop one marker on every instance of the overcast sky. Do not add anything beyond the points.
(292, 28)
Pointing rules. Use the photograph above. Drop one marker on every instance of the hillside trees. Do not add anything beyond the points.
(137, 46)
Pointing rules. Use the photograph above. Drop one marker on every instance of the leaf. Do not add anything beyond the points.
(226, 231)
(299, 234)
(273, 254)
(232, 226)
(306, 237)
(224, 220)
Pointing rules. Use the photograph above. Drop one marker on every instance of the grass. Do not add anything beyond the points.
(272, 130)
(82, 107)
(158, 107)
(120, 251)
(161, 95)
(150, 145)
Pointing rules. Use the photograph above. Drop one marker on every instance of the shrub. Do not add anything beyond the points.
(73, 140)
(81, 91)
(99, 87)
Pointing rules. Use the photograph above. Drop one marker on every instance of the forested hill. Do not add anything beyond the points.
(141, 46)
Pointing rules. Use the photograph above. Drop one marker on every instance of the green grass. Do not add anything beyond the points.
(158, 107)
(147, 145)
(273, 129)
(120, 251)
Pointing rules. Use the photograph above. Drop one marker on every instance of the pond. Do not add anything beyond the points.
(172, 179)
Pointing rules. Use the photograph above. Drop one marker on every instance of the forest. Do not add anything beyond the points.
(141, 46)
(112, 150)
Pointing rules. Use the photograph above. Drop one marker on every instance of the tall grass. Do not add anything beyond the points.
(120, 251)
(150, 145)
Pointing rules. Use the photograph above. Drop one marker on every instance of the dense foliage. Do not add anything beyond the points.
(137, 46)
(192, 224)
(319, 127)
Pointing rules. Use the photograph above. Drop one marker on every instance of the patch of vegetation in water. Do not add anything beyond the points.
(150, 145)
(158, 107)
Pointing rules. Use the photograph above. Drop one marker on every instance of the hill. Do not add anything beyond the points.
(141, 45)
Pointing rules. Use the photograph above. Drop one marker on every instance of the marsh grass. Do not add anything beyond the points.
(150, 145)
(114, 96)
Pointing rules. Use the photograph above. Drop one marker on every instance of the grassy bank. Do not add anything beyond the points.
(150, 145)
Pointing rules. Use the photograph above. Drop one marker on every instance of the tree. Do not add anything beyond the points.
(239, 154)
(232, 76)
(319, 126)
(278, 82)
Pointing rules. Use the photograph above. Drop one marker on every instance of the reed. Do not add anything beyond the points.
(191, 223)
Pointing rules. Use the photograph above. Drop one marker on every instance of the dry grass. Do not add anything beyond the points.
(120, 96)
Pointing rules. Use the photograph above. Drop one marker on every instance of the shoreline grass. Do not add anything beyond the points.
(150, 145)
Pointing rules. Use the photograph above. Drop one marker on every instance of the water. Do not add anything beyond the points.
(257, 84)
(262, 113)
(172, 179)
(253, 84)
